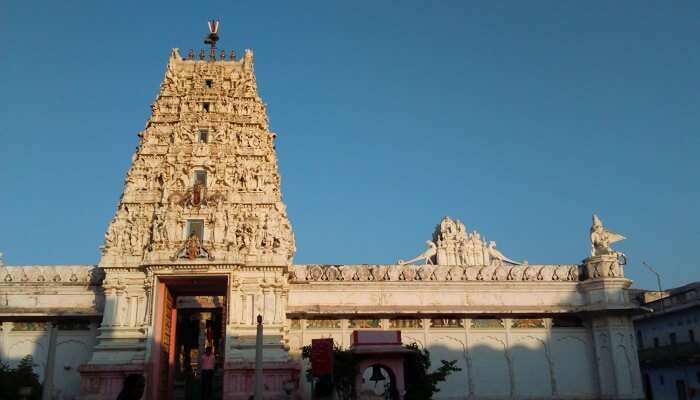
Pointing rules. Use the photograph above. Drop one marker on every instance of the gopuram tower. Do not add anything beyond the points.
(201, 217)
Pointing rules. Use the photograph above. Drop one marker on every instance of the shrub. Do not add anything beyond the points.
(12, 379)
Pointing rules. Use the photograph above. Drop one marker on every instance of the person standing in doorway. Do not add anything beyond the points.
(208, 363)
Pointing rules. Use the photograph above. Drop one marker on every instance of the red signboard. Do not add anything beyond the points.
(321, 357)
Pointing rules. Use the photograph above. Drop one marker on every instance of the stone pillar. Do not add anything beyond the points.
(258, 293)
(122, 307)
(110, 306)
(148, 298)
(284, 296)
(259, 360)
(47, 386)
(235, 305)
(605, 289)
(5, 327)
(268, 299)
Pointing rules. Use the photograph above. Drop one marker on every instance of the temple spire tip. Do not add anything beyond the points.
(213, 35)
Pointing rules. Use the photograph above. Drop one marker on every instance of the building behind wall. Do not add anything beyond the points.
(202, 217)
(668, 339)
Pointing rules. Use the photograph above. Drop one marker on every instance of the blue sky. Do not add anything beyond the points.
(519, 118)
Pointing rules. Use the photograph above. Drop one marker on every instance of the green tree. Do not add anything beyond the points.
(344, 372)
(12, 379)
(421, 384)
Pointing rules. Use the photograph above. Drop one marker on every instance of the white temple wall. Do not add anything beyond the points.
(530, 363)
(74, 343)
(445, 345)
(73, 349)
(434, 296)
(573, 378)
(501, 363)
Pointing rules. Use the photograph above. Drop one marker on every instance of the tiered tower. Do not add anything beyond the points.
(201, 200)
(204, 183)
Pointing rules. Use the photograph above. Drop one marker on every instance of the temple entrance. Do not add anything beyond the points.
(191, 319)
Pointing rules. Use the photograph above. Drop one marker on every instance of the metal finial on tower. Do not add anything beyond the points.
(213, 36)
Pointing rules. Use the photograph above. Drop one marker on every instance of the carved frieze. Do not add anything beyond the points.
(64, 275)
(410, 323)
(438, 273)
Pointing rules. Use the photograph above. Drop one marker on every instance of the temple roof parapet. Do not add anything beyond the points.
(76, 275)
(211, 55)
(428, 272)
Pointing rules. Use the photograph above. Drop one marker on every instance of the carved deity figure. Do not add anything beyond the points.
(158, 226)
(259, 178)
(230, 235)
(170, 231)
(219, 222)
(192, 246)
(601, 238)
(456, 246)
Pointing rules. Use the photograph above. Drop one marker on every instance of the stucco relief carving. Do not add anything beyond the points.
(453, 245)
(65, 275)
(440, 273)
(605, 266)
(206, 154)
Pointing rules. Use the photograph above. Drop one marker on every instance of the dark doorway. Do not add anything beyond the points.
(197, 329)
(193, 318)
(682, 393)
(648, 391)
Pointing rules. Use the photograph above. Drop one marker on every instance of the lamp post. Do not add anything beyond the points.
(653, 271)
(658, 281)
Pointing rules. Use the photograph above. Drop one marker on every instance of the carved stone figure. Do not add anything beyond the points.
(455, 246)
(219, 222)
(601, 238)
(426, 256)
(497, 255)
(230, 235)
(170, 228)
(158, 227)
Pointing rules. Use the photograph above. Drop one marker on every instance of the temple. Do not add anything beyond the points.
(201, 244)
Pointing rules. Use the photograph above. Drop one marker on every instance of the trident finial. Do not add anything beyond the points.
(213, 36)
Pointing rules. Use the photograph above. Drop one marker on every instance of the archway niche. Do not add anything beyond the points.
(380, 364)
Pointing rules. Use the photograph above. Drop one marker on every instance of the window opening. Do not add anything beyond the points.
(200, 178)
(195, 227)
(203, 136)
(691, 336)
(209, 83)
(656, 342)
(205, 106)
(672, 338)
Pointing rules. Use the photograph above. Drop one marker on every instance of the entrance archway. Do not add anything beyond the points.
(378, 381)
(190, 315)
